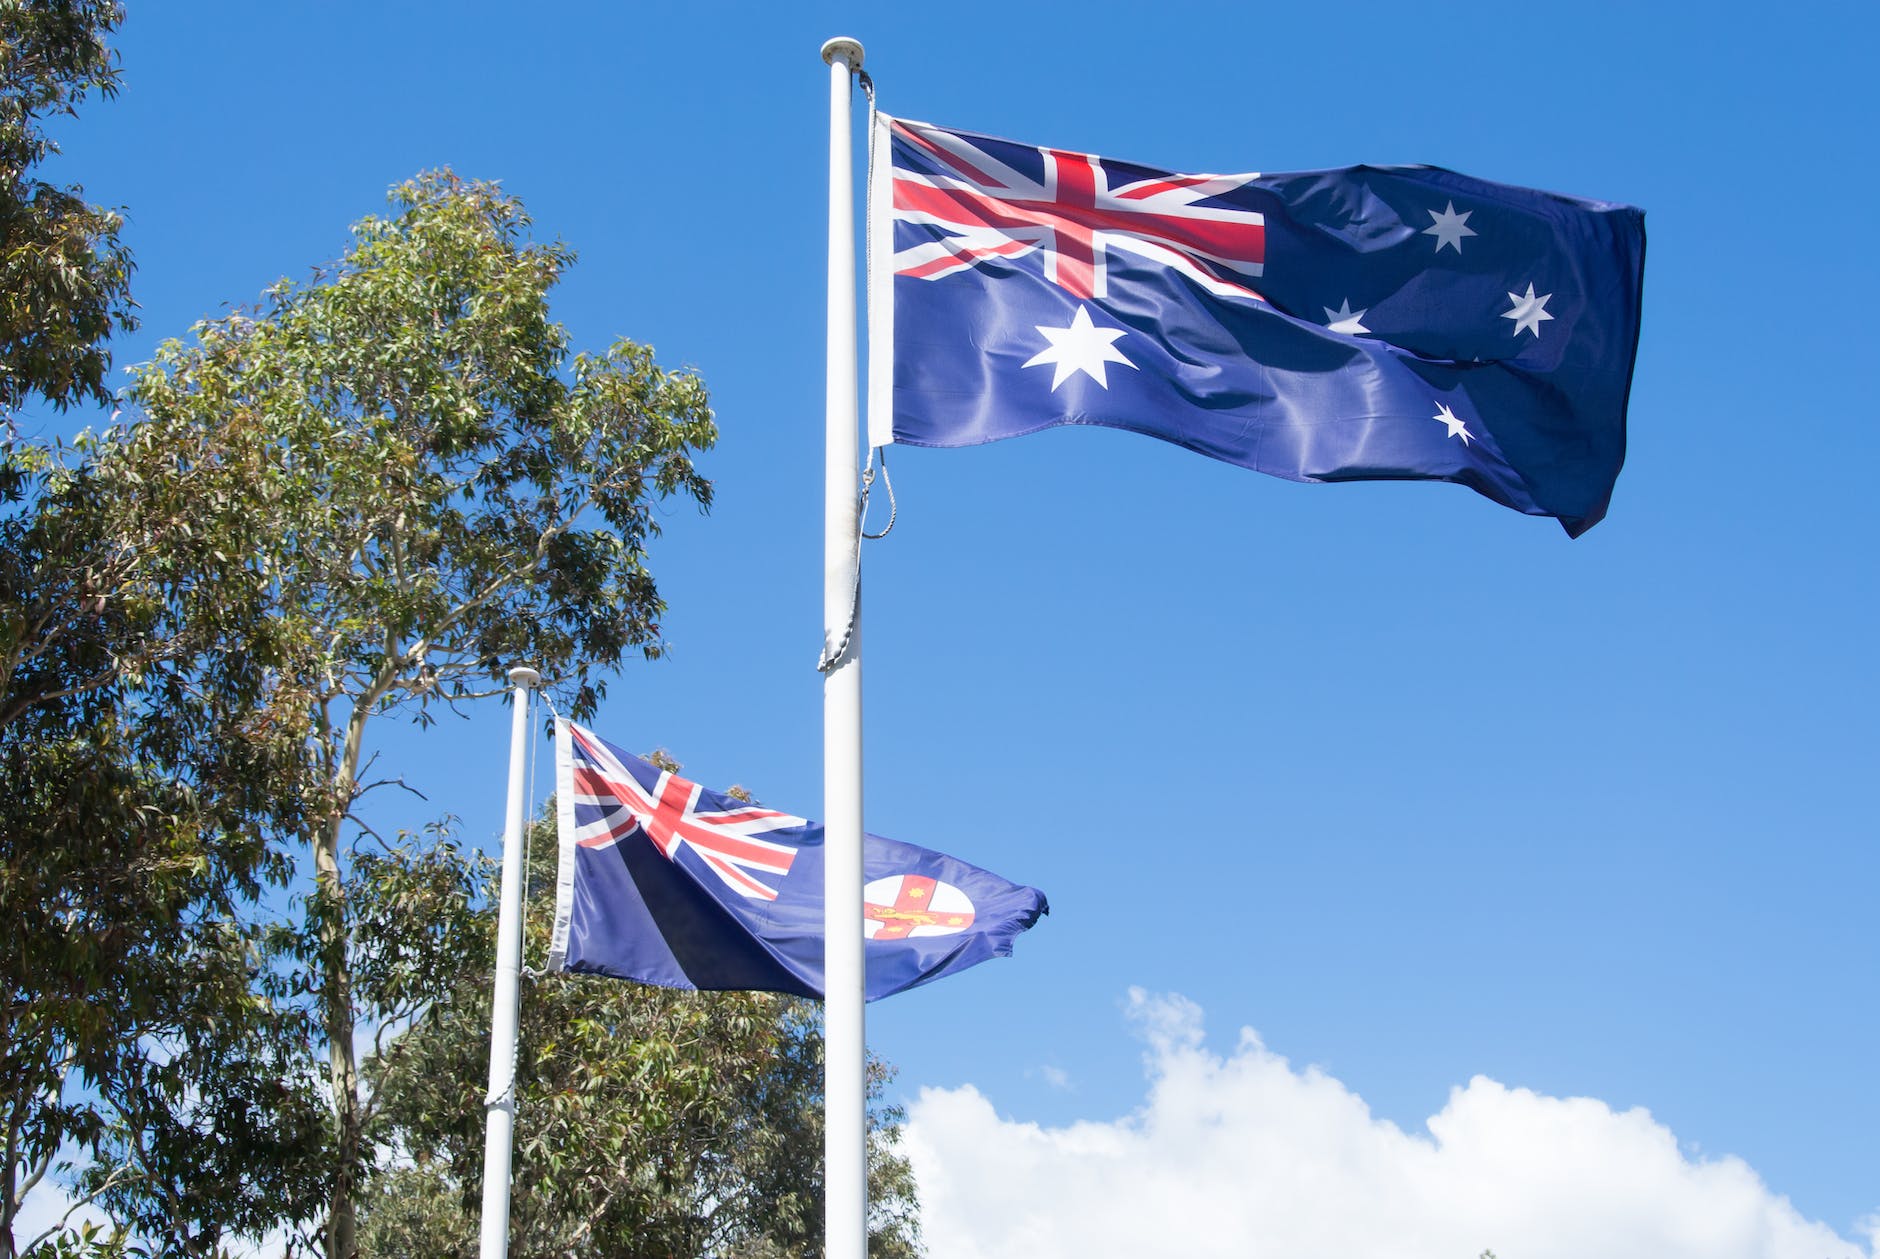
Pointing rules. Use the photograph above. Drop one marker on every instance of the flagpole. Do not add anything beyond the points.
(500, 1107)
(845, 1115)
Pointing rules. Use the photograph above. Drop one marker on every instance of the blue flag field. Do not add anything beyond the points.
(1371, 323)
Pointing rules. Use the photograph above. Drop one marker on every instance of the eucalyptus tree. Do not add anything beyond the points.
(420, 486)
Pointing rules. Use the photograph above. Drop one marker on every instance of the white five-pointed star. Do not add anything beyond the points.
(1344, 319)
(1447, 418)
(1449, 227)
(1082, 347)
(1528, 311)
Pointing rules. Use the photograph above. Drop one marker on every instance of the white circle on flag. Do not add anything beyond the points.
(911, 906)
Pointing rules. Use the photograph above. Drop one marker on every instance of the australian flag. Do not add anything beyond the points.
(1372, 323)
(664, 882)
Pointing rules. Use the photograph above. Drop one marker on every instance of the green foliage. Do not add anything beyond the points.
(412, 485)
(64, 276)
(650, 1122)
(129, 797)
(130, 847)
(137, 793)
(86, 1241)
(138, 784)
(111, 943)
(219, 1134)
(423, 493)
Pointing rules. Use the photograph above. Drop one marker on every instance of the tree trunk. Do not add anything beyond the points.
(336, 992)
(343, 1069)
(9, 1187)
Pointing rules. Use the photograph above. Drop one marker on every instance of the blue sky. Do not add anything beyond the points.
(1413, 785)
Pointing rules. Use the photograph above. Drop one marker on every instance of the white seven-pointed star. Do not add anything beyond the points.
(1449, 227)
(1082, 347)
(1346, 320)
(1528, 311)
(1448, 418)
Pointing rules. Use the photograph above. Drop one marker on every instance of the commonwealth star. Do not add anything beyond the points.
(1082, 347)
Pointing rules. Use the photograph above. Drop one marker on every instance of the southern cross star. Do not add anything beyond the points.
(1082, 347)
(1528, 311)
(1447, 418)
(1449, 227)
(1346, 320)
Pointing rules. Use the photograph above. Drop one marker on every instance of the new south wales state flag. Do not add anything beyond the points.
(1370, 323)
(665, 882)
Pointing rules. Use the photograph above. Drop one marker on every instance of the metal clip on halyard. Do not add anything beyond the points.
(832, 655)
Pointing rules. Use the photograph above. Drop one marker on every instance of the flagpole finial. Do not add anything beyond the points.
(524, 677)
(844, 49)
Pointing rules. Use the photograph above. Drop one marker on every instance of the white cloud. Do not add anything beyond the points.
(1244, 1156)
(1057, 1077)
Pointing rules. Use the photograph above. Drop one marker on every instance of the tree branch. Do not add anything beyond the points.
(119, 1174)
(496, 584)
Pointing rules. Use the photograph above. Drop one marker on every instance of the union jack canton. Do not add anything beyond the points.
(726, 841)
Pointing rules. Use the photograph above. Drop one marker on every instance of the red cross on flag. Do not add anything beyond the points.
(1075, 211)
(910, 906)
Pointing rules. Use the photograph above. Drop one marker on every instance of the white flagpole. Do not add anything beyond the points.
(845, 1117)
(500, 1108)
